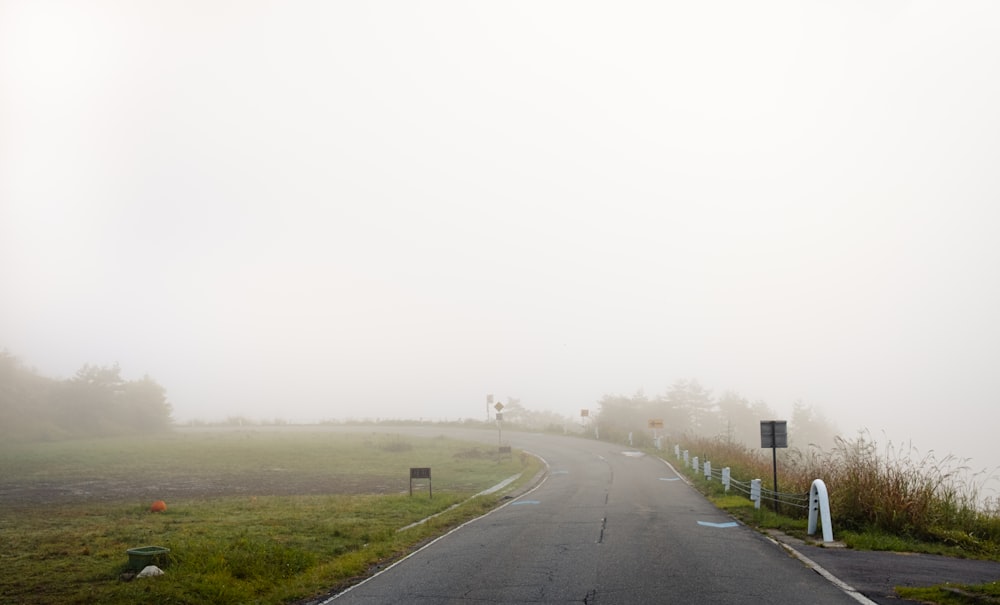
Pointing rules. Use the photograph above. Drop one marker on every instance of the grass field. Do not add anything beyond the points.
(252, 517)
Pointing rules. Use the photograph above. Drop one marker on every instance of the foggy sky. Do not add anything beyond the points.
(311, 210)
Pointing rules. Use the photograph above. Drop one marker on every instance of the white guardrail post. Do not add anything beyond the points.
(708, 470)
(694, 464)
(755, 492)
(725, 477)
(819, 503)
(686, 460)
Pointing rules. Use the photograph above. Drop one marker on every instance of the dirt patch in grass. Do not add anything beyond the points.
(271, 483)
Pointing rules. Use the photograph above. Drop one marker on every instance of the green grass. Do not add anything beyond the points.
(251, 531)
(954, 594)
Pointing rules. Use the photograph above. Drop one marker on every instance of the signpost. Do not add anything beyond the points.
(655, 424)
(421, 473)
(498, 407)
(774, 434)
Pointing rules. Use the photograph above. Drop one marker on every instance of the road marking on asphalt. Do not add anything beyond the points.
(670, 478)
(842, 585)
(500, 486)
(721, 525)
(438, 539)
(633, 454)
(485, 492)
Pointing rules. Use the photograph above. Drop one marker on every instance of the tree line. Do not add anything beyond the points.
(96, 402)
(688, 408)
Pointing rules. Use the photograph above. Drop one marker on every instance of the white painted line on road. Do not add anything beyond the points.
(671, 467)
(842, 585)
(670, 478)
(439, 538)
(515, 503)
(499, 486)
(485, 492)
(633, 454)
(720, 525)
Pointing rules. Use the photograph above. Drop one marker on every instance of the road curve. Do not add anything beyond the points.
(608, 525)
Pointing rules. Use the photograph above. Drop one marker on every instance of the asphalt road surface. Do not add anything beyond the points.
(608, 525)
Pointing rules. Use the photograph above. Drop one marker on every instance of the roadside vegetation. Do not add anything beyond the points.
(252, 516)
(880, 499)
(953, 594)
(885, 499)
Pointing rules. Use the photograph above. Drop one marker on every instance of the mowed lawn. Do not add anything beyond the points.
(253, 516)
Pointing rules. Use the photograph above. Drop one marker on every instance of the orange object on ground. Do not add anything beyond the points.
(158, 507)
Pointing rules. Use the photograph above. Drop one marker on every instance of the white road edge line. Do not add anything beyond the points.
(435, 540)
(842, 585)
(485, 492)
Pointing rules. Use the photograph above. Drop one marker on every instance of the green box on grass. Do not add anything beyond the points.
(138, 558)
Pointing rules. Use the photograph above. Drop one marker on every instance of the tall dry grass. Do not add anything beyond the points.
(890, 488)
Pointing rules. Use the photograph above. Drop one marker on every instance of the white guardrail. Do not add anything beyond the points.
(817, 500)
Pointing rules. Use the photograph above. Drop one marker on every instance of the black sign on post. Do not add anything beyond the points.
(421, 473)
(774, 434)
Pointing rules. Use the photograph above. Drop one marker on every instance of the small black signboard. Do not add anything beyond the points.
(421, 473)
(773, 433)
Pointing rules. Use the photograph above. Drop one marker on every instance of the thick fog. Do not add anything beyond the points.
(319, 210)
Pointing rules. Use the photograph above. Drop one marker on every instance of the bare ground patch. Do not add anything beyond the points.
(119, 489)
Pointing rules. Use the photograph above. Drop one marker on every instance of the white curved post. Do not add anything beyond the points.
(819, 503)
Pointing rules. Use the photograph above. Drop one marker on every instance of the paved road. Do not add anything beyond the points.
(876, 574)
(608, 525)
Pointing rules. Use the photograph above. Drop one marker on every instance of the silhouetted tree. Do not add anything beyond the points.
(619, 415)
(97, 401)
(688, 407)
(146, 405)
(808, 426)
(737, 421)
